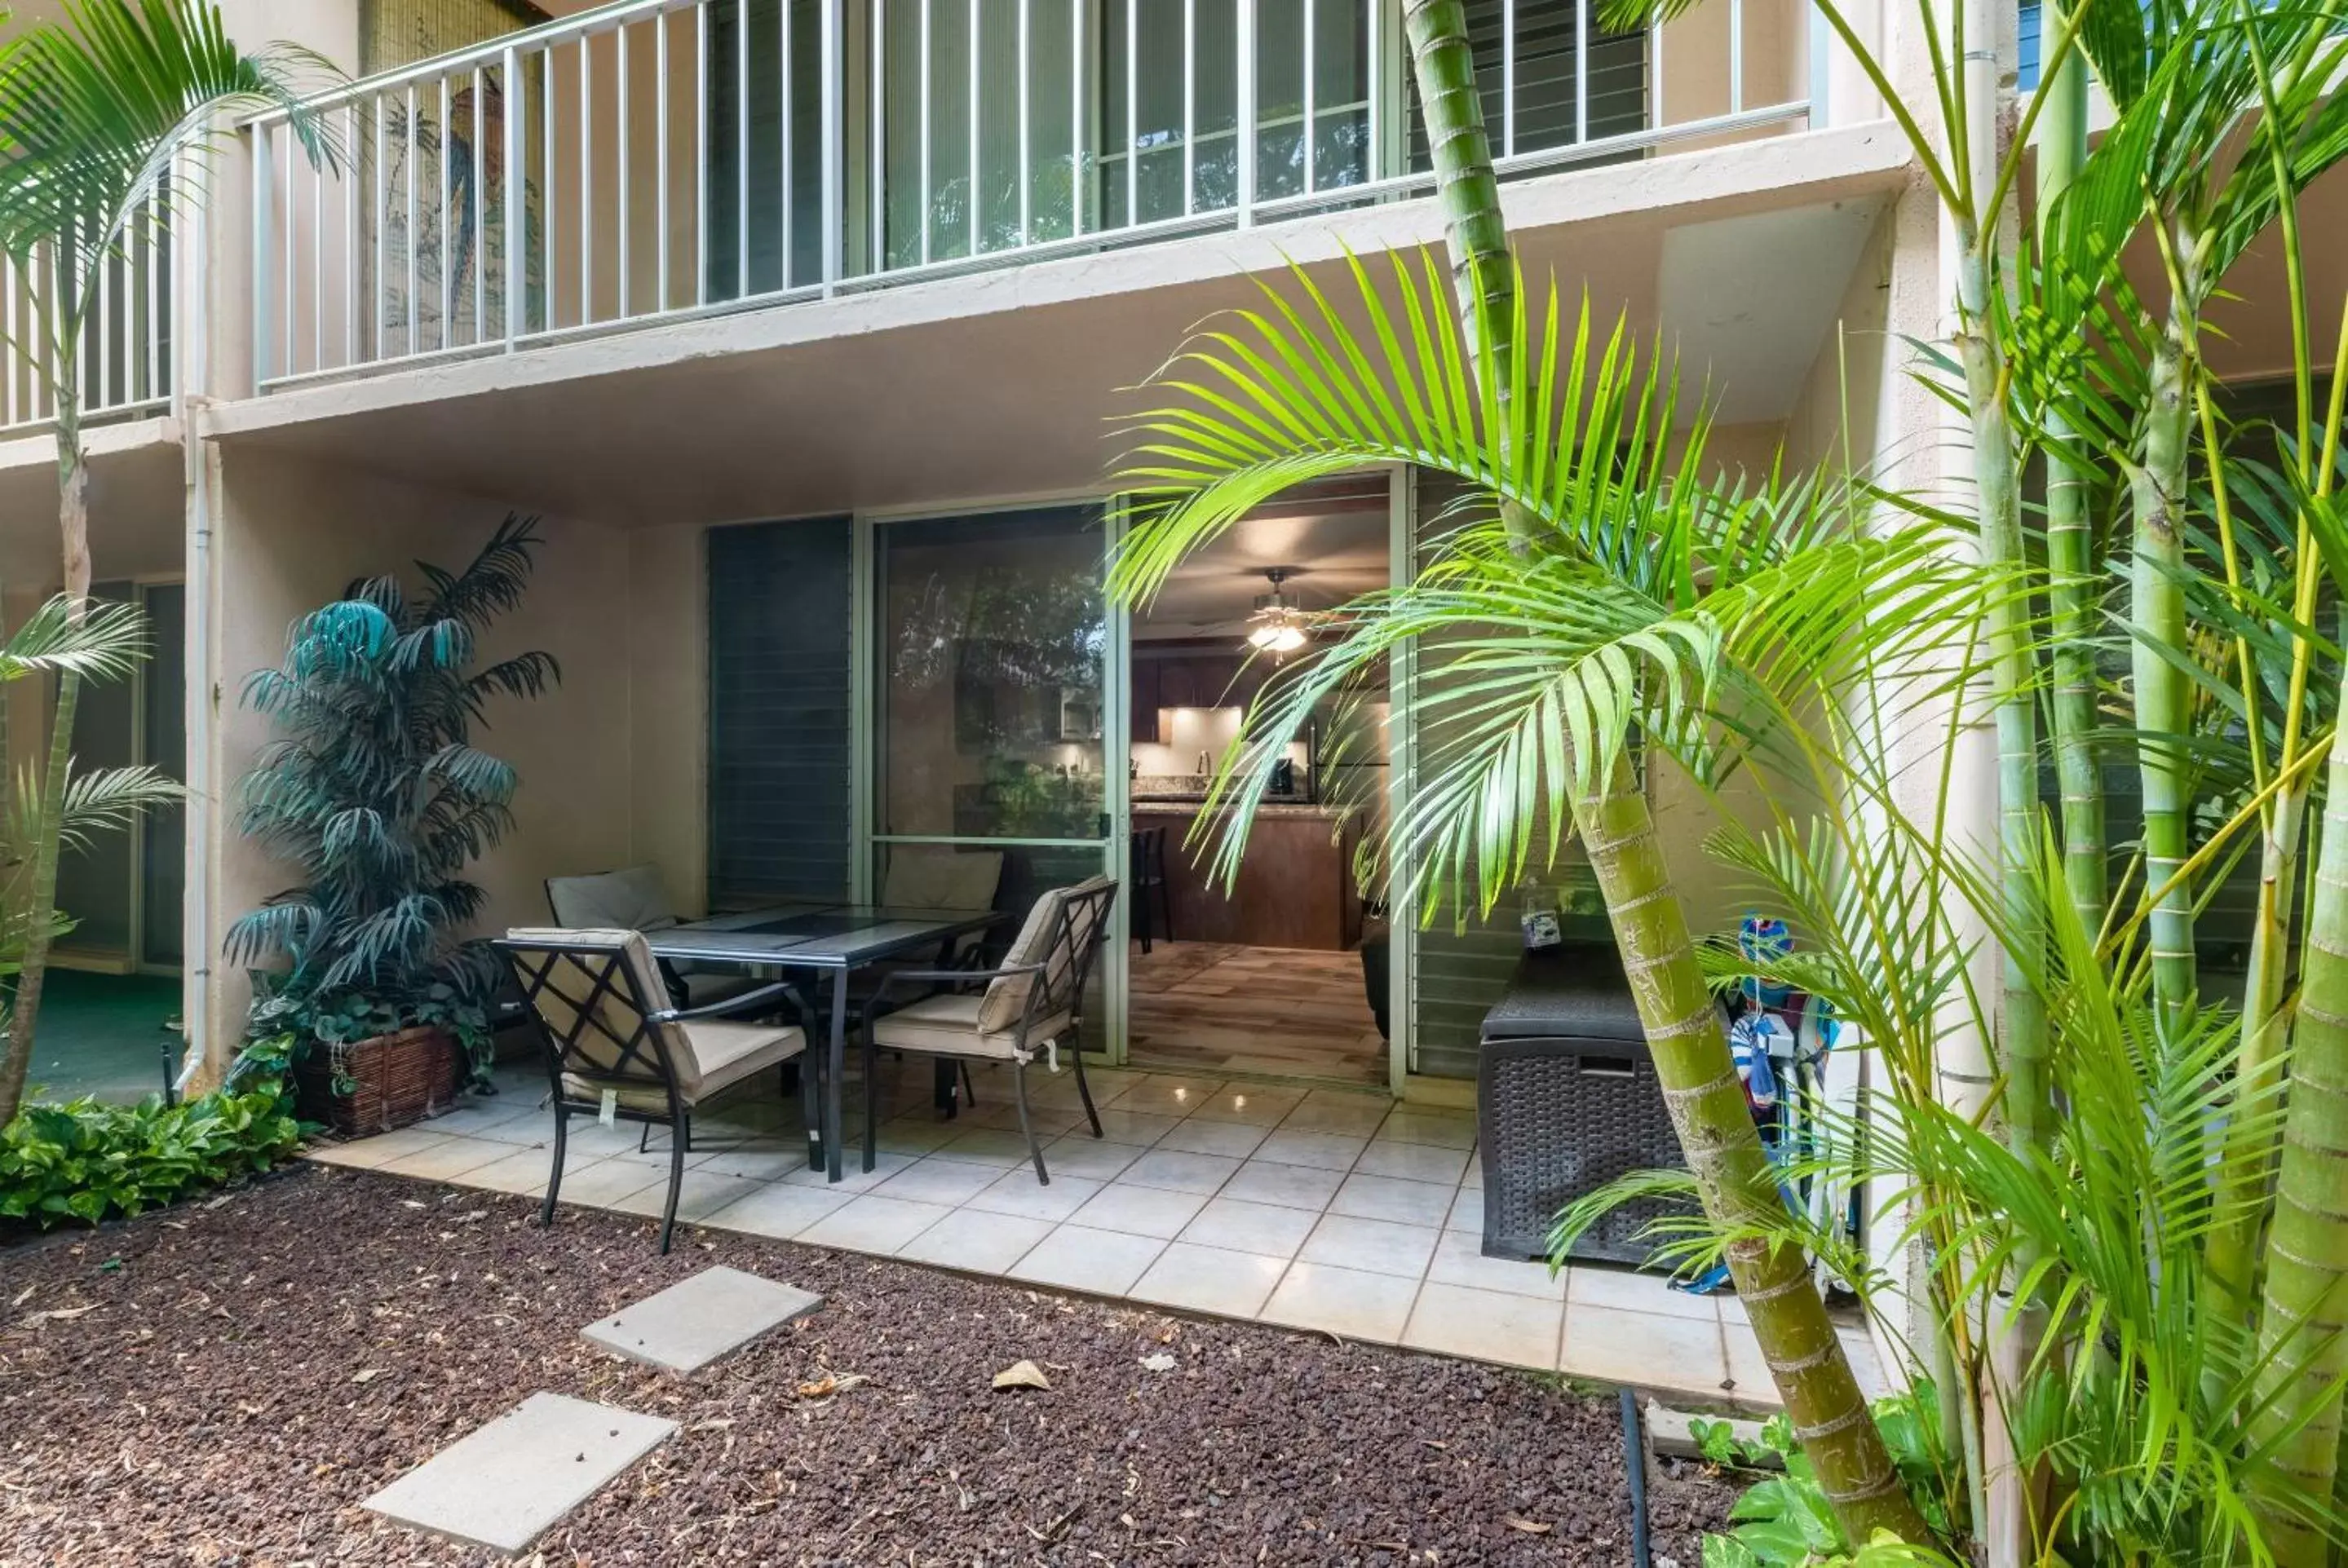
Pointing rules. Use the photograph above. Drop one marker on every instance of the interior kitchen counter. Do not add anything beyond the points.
(1295, 886)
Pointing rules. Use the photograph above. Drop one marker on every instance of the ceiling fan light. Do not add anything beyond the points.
(1286, 638)
(1264, 636)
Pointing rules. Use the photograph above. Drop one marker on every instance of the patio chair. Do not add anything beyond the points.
(1012, 1013)
(962, 880)
(615, 1045)
(633, 899)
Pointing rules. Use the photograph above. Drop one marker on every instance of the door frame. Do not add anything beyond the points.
(865, 693)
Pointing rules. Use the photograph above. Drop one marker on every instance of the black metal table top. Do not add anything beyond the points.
(815, 936)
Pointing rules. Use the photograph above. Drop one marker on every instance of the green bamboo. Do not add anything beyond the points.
(2157, 609)
(2062, 149)
(2304, 1352)
(1998, 502)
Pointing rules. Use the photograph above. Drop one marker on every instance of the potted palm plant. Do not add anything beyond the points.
(374, 791)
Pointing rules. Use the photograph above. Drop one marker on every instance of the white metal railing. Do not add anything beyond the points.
(121, 362)
(653, 159)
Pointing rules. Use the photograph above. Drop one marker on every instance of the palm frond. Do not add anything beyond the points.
(94, 108)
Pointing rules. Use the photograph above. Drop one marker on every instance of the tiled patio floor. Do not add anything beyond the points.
(1326, 1209)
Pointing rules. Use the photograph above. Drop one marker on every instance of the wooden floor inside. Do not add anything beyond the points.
(1201, 1007)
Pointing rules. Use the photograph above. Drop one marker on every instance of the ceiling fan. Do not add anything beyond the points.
(1279, 622)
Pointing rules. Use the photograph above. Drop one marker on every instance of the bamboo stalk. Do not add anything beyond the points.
(2062, 149)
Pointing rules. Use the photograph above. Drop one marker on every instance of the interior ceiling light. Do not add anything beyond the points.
(1279, 621)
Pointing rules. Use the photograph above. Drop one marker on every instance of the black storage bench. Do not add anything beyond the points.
(1566, 1101)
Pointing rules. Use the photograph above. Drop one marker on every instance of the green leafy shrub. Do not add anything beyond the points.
(374, 792)
(1784, 1521)
(88, 1162)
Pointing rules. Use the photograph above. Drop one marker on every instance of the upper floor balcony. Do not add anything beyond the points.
(653, 160)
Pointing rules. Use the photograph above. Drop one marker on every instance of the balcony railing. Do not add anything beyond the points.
(122, 364)
(657, 159)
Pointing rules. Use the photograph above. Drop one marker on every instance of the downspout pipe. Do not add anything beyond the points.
(190, 388)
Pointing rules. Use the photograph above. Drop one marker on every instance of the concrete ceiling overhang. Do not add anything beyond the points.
(138, 504)
(1009, 381)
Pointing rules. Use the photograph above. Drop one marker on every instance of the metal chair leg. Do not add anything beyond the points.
(969, 1090)
(1026, 1128)
(679, 1136)
(554, 1178)
(1085, 1090)
(872, 1099)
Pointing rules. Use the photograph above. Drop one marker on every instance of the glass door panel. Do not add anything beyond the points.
(990, 764)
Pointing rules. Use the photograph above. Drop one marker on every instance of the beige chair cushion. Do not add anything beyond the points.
(947, 1025)
(1006, 998)
(627, 900)
(568, 984)
(930, 878)
(716, 1055)
(1037, 943)
(707, 1055)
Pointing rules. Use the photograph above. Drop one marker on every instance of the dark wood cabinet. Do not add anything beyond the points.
(1295, 885)
(1188, 675)
(1142, 723)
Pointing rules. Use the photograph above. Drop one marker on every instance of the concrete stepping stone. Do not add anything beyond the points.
(508, 1481)
(693, 1323)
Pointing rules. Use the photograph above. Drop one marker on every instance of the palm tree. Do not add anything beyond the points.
(102, 642)
(1589, 779)
(1649, 601)
(104, 118)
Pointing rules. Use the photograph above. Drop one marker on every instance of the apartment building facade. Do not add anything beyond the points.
(772, 308)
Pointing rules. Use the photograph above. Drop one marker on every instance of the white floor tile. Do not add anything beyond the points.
(1180, 1171)
(1140, 1211)
(448, 1159)
(1238, 1225)
(1074, 1257)
(1379, 1247)
(1596, 1285)
(1321, 1151)
(1164, 1094)
(975, 1241)
(1424, 1125)
(1255, 1106)
(1019, 1192)
(1210, 1279)
(1644, 1349)
(1199, 1135)
(1139, 1128)
(1343, 1301)
(873, 1224)
(986, 1146)
(778, 1211)
(1391, 1198)
(1487, 1325)
(1290, 1186)
(1095, 1159)
(1459, 1260)
(853, 1179)
(940, 1179)
(1413, 1162)
(1351, 1114)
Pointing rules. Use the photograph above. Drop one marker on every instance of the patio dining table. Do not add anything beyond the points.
(837, 940)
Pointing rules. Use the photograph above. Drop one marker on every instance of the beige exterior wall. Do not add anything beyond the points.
(291, 535)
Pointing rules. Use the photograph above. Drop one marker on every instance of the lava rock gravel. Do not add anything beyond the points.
(223, 1382)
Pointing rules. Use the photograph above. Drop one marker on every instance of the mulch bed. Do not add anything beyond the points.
(223, 1382)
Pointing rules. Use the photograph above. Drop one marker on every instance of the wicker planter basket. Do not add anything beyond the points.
(394, 1079)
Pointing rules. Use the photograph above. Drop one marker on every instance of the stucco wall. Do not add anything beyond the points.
(291, 535)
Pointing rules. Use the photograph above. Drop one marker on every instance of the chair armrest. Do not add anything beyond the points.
(746, 1002)
(955, 977)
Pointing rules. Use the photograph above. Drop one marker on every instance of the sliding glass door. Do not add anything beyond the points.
(990, 650)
